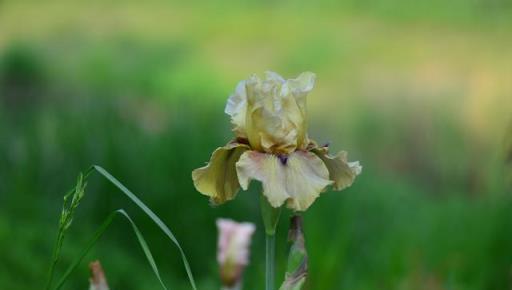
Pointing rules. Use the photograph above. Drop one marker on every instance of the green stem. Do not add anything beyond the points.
(270, 217)
(270, 261)
(52, 269)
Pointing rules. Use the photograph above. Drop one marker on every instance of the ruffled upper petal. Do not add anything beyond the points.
(218, 179)
(298, 178)
(301, 86)
(236, 107)
(342, 172)
(271, 112)
(274, 77)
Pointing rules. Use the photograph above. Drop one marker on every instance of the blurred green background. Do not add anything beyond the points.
(419, 92)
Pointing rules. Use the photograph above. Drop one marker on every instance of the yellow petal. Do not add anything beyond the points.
(299, 179)
(301, 86)
(218, 178)
(341, 171)
(276, 112)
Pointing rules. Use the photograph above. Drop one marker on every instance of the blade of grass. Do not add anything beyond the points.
(97, 235)
(152, 216)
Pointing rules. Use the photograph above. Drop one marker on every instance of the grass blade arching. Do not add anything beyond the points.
(97, 235)
(152, 216)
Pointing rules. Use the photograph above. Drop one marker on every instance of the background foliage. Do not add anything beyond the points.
(419, 92)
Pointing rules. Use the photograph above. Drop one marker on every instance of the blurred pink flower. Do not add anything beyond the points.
(233, 249)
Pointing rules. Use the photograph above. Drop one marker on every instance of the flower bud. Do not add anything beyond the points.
(233, 250)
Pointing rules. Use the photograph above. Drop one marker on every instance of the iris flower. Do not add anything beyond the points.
(271, 145)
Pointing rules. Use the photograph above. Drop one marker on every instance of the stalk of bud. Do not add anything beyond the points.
(297, 269)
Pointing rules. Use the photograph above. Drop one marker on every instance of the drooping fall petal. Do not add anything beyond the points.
(341, 171)
(218, 179)
(297, 178)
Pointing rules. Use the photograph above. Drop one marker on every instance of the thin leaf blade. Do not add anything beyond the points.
(152, 216)
(97, 235)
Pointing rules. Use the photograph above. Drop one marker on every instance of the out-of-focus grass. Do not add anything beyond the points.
(419, 93)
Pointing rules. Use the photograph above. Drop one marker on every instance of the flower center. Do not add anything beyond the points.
(283, 158)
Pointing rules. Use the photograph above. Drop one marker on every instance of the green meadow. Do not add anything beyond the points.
(419, 92)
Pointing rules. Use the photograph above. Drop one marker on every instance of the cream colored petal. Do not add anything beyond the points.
(299, 179)
(301, 86)
(254, 104)
(236, 107)
(218, 179)
(296, 121)
(341, 171)
(267, 169)
(273, 76)
(274, 112)
(253, 89)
